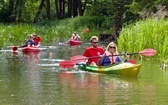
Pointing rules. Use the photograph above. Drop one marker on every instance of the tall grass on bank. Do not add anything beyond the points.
(52, 31)
(149, 33)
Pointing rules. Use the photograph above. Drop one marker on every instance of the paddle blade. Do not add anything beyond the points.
(148, 52)
(38, 39)
(86, 30)
(132, 61)
(78, 58)
(63, 43)
(66, 64)
(15, 48)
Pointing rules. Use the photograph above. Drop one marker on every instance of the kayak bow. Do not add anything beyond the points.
(30, 49)
(74, 42)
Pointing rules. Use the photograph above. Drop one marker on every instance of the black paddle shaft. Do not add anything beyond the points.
(113, 55)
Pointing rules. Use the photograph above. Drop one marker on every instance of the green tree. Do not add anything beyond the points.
(40, 10)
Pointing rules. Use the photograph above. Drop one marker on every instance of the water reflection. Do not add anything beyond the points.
(35, 78)
(96, 88)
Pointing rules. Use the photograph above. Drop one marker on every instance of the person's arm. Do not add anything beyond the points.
(27, 43)
(126, 57)
(85, 53)
(78, 37)
(101, 61)
(71, 38)
(34, 43)
(118, 59)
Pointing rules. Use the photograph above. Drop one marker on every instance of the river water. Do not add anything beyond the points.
(36, 79)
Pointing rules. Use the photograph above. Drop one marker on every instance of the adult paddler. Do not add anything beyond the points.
(94, 50)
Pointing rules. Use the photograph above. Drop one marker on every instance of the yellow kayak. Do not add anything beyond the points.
(125, 69)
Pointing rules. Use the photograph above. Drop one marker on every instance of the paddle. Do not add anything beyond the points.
(70, 64)
(80, 58)
(145, 52)
(15, 48)
(63, 43)
(133, 61)
(86, 30)
(37, 40)
(67, 64)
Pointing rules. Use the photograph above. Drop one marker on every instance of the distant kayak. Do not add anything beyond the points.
(74, 42)
(30, 49)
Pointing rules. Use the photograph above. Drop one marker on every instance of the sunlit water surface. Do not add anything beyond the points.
(36, 79)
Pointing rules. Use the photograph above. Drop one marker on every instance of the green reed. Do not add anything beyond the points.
(53, 31)
(149, 33)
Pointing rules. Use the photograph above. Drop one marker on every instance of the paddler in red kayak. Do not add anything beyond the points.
(75, 37)
(37, 39)
(30, 41)
(33, 40)
(94, 50)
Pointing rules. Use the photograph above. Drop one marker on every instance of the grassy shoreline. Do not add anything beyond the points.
(149, 33)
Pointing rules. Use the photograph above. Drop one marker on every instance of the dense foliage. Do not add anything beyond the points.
(116, 12)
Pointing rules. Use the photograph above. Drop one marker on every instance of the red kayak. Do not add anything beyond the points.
(30, 49)
(74, 42)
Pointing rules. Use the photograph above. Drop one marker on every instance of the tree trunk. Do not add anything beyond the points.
(75, 13)
(84, 6)
(11, 11)
(80, 7)
(39, 11)
(118, 19)
(16, 9)
(57, 10)
(118, 23)
(60, 8)
(48, 9)
(20, 7)
(69, 8)
(63, 8)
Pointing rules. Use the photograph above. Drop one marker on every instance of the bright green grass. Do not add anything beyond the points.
(55, 31)
(149, 33)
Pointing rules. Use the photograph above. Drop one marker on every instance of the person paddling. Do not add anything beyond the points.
(33, 40)
(108, 59)
(36, 39)
(75, 37)
(94, 50)
(30, 41)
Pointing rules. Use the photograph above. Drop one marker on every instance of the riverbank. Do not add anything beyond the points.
(149, 33)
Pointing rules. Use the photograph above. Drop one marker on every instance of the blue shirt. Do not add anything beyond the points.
(30, 42)
(105, 61)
